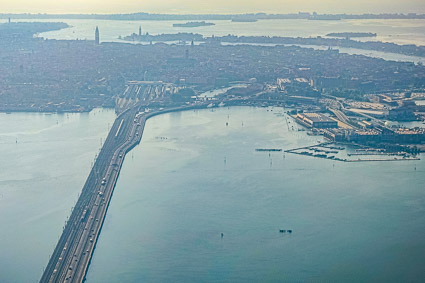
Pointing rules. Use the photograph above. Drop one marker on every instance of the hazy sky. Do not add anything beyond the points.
(210, 6)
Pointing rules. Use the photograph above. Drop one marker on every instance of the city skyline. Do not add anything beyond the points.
(238, 141)
(219, 6)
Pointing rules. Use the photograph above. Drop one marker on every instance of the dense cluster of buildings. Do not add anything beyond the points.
(54, 75)
(44, 75)
(377, 135)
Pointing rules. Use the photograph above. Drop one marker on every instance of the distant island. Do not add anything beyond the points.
(244, 20)
(209, 17)
(193, 24)
(351, 34)
(164, 37)
(325, 18)
(27, 29)
(410, 49)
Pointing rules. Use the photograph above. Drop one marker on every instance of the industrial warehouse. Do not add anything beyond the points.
(316, 120)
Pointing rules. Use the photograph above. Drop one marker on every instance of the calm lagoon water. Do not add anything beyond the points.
(352, 51)
(397, 31)
(44, 162)
(193, 177)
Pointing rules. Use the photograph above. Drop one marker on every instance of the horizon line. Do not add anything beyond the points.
(217, 14)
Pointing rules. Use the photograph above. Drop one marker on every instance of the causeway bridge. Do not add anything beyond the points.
(74, 250)
(71, 257)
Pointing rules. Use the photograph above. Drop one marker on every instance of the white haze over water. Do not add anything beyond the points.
(209, 6)
(397, 31)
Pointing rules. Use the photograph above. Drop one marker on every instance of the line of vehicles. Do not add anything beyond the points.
(74, 250)
(72, 255)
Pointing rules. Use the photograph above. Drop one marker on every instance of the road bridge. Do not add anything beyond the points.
(71, 257)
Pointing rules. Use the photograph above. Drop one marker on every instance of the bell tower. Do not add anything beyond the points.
(96, 37)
